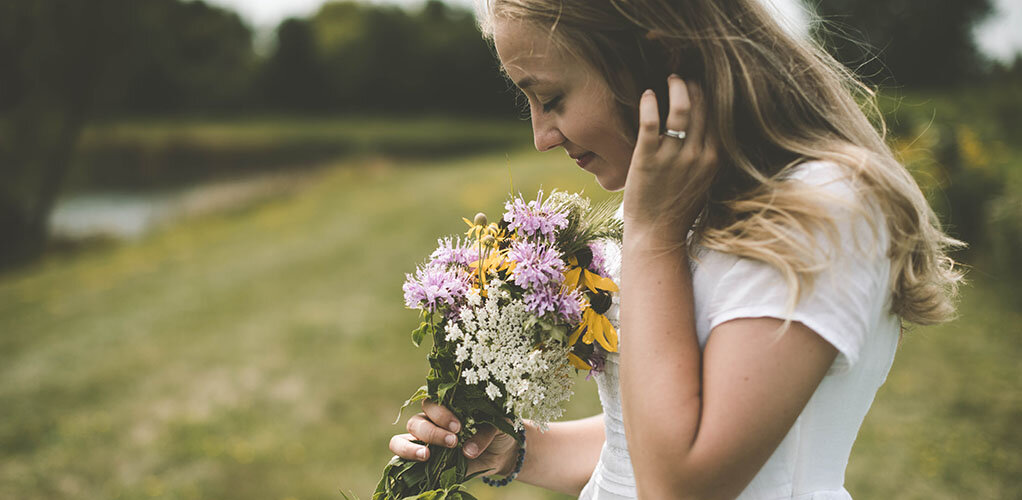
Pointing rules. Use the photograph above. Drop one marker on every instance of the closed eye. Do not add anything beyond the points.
(551, 104)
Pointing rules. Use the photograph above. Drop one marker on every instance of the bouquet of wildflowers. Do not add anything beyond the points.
(512, 309)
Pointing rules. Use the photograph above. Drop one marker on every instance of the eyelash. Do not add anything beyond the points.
(551, 104)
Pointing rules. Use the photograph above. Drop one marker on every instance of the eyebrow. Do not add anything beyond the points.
(528, 81)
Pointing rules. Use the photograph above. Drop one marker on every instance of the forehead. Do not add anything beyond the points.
(527, 52)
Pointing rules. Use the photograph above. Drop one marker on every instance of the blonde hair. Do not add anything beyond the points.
(773, 102)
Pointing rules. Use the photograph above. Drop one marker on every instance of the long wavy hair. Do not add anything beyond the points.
(774, 101)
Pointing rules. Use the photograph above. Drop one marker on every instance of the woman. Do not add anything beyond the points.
(772, 247)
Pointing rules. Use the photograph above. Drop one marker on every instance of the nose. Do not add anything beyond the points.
(545, 132)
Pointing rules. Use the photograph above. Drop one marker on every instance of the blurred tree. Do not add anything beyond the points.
(65, 62)
(458, 66)
(367, 50)
(917, 43)
(382, 58)
(1008, 72)
(59, 59)
(193, 57)
(294, 77)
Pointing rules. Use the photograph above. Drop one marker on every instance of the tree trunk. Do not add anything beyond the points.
(42, 148)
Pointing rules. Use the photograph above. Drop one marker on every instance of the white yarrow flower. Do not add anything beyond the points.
(473, 297)
(498, 354)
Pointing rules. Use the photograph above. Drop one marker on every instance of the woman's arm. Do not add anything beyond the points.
(698, 426)
(703, 429)
(561, 459)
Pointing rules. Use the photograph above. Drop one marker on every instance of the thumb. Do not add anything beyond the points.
(475, 445)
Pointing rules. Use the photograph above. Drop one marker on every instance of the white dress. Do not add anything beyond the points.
(849, 306)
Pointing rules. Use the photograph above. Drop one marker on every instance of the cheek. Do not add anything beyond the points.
(619, 148)
(617, 139)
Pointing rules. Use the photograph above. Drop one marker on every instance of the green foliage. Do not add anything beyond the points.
(420, 394)
(919, 43)
(191, 56)
(294, 77)
(963, 148)
(599, 223)
(419, 333)
(386, 59)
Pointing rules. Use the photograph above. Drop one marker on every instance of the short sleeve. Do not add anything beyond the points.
(846, 298)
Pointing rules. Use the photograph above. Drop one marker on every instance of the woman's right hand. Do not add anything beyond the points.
(487, 449)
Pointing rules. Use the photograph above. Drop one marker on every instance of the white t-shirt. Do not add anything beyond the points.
(848, 305)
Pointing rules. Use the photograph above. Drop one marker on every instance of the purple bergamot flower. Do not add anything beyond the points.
(453, 252)
(536, 265)
(533, 218)
(434, 286)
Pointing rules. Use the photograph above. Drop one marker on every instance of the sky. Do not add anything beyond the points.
(999, 37)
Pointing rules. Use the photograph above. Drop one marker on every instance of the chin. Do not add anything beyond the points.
(608, 176)
(611, 184)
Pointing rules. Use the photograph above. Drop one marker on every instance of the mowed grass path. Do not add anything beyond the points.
(263, 353)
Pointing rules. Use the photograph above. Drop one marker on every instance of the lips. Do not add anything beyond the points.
(584, 159)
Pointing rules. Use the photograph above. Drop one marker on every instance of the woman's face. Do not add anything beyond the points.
(570, 103)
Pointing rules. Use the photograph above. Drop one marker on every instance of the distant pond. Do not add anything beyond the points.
(131, 215)
(110, 214)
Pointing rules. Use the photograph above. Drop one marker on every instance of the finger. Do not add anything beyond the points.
(697, 116)
(441, 416)
(475, 445)
(425, 430)
(402, 446)
(678, 113)
(649, 126)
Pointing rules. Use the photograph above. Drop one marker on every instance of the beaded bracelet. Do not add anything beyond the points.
(518, 467)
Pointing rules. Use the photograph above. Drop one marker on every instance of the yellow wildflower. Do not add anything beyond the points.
(596, 327)
(578, 277)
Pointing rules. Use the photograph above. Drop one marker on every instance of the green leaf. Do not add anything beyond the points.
(382, 485)
(413, 475)
(429, 495)
(419, 395)
(441, 391)
(448, 478)
(419, 333)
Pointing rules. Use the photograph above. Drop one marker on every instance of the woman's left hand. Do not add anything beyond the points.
(669, 178)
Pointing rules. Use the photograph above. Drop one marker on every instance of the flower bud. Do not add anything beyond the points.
(480, 219)
(488, 240)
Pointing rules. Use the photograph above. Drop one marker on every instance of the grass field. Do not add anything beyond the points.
(262, 354)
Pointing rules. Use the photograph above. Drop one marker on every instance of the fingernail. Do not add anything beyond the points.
(421, 453)
(454, 426)
(451, 440)
(471, 449)
(674, 75)
(648, 92)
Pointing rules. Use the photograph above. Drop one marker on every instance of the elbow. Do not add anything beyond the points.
(678, 478)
